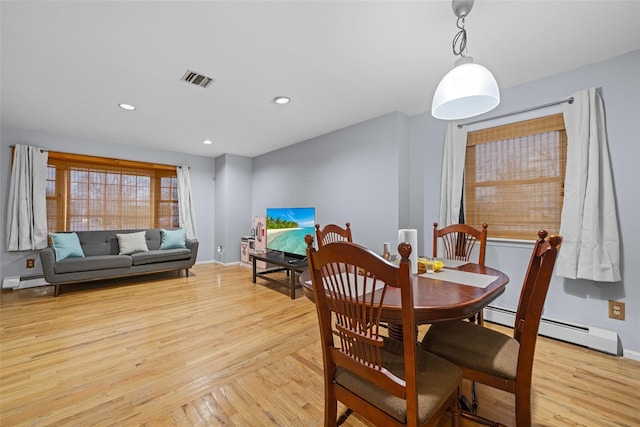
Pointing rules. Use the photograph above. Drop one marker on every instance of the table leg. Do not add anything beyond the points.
(395, 331)
(254, 269)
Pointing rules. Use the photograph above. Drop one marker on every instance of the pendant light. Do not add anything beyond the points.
(469, 89)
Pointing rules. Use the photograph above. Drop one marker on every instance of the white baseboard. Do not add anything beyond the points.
(227, 264)
(634, 355)
(33, 282)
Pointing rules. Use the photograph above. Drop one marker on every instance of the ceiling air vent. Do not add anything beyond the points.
(197, 79)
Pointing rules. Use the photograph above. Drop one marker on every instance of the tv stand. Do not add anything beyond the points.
(293, 266)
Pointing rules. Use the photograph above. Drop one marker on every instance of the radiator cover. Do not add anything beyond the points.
(586, 336)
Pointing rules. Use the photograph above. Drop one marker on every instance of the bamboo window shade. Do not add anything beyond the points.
(96, 193)
(514, 177)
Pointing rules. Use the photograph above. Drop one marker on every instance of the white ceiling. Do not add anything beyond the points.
(66, 65)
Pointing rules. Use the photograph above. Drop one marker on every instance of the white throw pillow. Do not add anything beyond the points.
(132, 242)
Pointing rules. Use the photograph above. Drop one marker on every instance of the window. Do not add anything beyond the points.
(95, 193)
(514, 177)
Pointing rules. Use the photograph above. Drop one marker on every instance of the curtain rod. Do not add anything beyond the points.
(41, 149)
(110, 158)
(569, 100)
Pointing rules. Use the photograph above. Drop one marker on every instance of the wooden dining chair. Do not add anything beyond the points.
(459, 240)
(388, 382)
(333, 233)
(495, 359)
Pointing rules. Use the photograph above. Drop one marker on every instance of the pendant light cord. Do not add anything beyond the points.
(460, 39)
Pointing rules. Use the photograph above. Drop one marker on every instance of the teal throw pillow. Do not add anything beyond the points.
(66, 245)
(173, 239)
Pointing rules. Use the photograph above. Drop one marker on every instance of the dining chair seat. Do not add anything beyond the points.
(474, 346)
(495, 359)
(436, 379)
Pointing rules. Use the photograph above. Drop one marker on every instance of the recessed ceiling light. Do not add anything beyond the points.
(281, 100)
(207, 141)
(127, 107)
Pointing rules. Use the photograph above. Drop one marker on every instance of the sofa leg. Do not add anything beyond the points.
(186, 272)
(56, 290)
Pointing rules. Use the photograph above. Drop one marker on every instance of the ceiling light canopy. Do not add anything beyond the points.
(281, 100)
(127, 107)
(207, 141)
(469, 89)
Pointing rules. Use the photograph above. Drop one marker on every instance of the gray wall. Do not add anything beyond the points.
(202, 172)
(232, 205)
(384, 174)
(352, 174)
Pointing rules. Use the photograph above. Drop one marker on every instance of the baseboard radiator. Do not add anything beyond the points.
(586, 336)
(23, 282)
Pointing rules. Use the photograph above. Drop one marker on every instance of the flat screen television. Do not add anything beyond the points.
(286, 228)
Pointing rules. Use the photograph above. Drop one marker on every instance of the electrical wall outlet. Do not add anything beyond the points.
(616, 310)
(220, 250)
(31, 262)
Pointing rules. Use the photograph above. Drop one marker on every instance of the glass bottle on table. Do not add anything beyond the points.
(386, 251)
(430, 265)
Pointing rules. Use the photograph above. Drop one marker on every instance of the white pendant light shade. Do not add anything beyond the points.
(466, 91)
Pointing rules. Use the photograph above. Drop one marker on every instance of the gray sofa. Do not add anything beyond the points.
(102, 259)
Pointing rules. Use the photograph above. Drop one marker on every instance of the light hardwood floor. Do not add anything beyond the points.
(215, 349)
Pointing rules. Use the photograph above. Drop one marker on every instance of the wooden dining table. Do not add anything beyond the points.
(457, 291)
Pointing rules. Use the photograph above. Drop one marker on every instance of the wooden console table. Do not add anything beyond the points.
(293, 266)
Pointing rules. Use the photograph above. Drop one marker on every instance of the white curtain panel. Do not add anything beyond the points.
(589, 222)
(186, 212)
(453, 158)
(27, 207)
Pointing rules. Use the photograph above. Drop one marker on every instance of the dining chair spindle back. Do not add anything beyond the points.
(459, 240)
(388, 382)
(333, 233)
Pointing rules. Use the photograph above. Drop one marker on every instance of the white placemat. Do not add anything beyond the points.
(462, 277)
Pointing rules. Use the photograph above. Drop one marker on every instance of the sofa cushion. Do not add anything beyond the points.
(66, 245)
(163, 255)
(91, 263)
(173, 239)
(130, 243)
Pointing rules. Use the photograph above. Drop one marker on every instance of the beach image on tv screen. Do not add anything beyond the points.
(286, 228)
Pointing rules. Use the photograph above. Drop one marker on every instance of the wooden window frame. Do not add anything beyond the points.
(64, 162)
